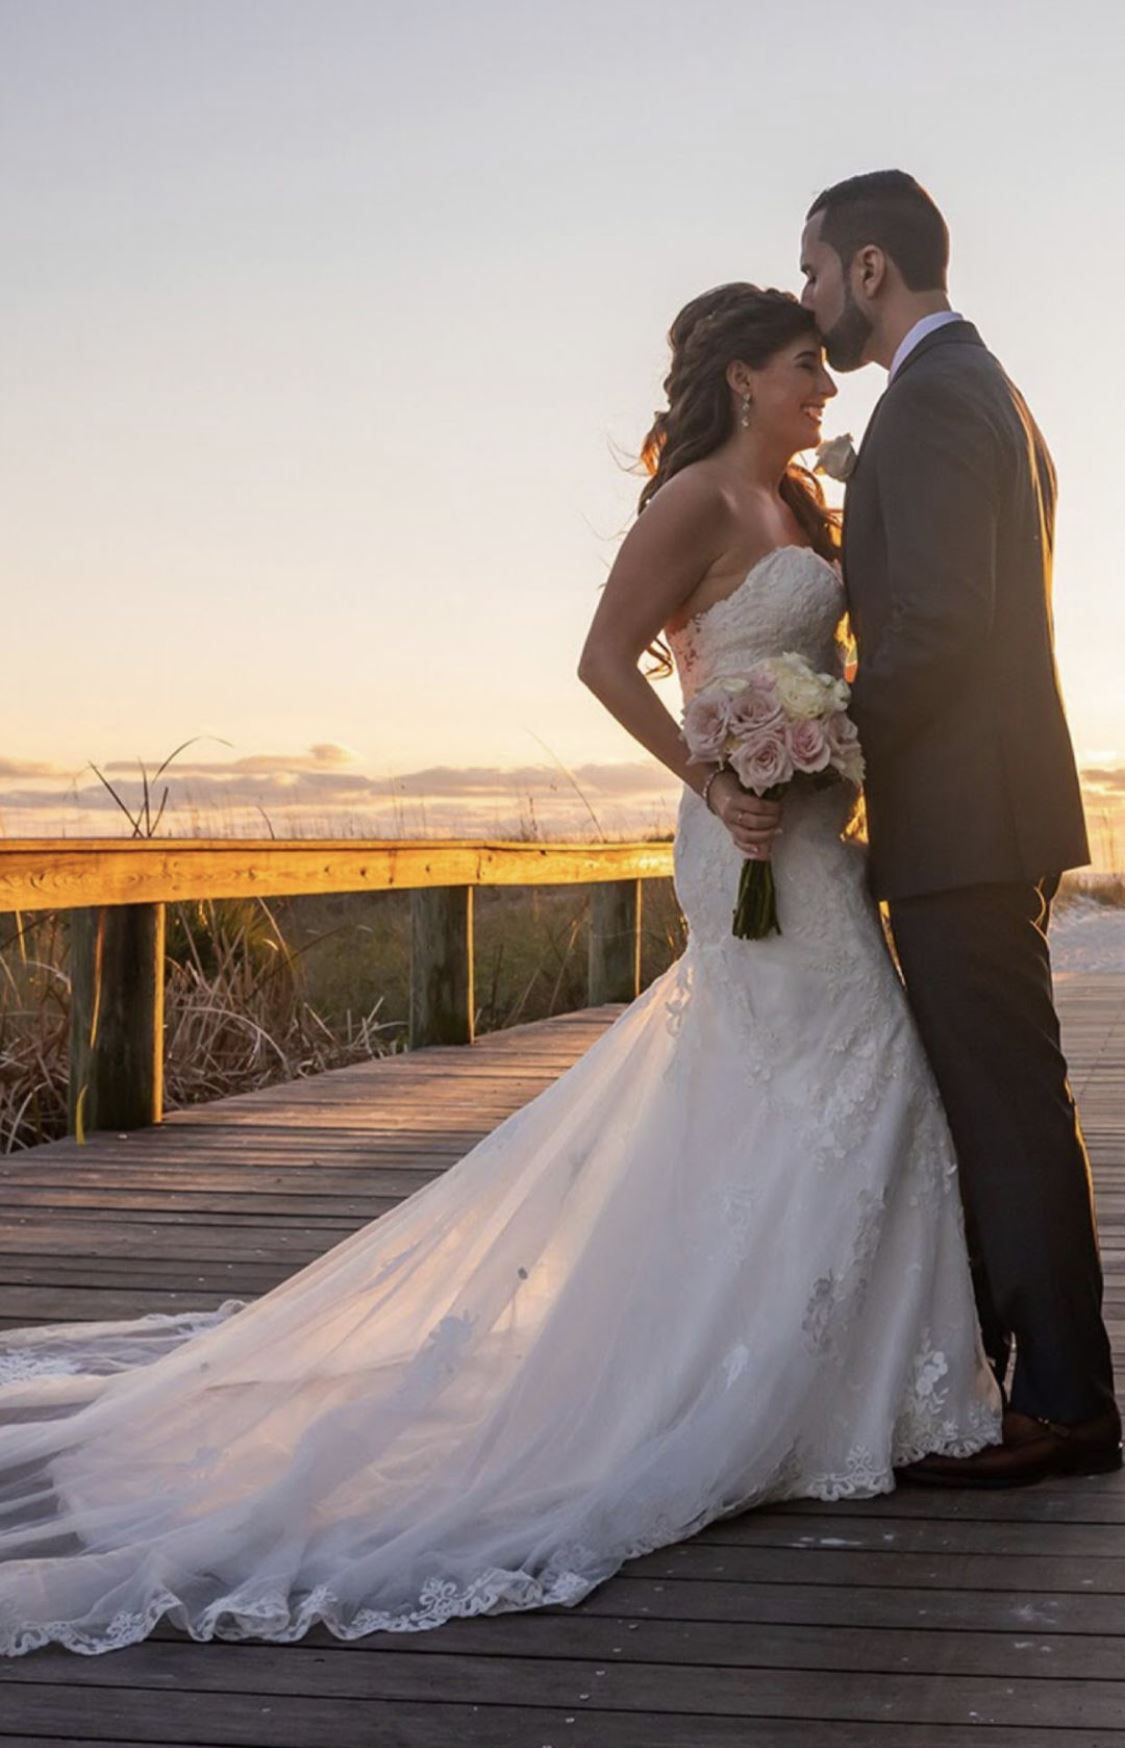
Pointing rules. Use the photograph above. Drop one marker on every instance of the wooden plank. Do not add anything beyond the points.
(1081, 1500)
(267, 1234)
(63, 873)
(25, 1306)
(910, 1620)
(235, 1279)
(242, 1720)
(1054, 1572)
(882, 1534)
(880, 1607)
(160, 1202)
(402, 1726)
(218, 1673)
(311, 1182)
(590, 1643)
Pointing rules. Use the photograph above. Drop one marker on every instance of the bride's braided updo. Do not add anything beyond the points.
(736, 321)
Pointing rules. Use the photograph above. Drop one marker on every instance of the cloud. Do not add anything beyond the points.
(325, 755)
(32, 768)
(314, 793)
(624, 778)
(1100, 779)
(324, 777)
(321, 793)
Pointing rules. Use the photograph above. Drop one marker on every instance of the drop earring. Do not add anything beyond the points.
(744, 415)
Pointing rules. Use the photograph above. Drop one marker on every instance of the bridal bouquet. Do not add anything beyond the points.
(781, 722)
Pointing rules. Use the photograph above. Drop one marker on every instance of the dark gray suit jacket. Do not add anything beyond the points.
(948, 535)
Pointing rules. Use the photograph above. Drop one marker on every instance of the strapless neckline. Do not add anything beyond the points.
(760, 564)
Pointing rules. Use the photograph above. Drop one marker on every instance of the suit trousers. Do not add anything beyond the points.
(977, 970)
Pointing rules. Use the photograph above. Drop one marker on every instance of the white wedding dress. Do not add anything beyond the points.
(719, 1262)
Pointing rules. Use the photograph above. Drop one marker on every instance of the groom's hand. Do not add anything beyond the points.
(751, 822)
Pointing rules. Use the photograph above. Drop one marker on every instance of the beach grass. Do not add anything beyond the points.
(258, 992)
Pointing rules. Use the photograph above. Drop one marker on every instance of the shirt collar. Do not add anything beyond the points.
(926, 325)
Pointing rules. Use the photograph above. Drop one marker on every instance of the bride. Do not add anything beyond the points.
(719, 1262)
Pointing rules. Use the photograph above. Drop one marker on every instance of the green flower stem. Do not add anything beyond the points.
(755, 911)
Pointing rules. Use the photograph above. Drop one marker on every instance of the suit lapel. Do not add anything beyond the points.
(951, 333)
(871, 423)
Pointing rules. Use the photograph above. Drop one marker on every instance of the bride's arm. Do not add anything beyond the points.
(662, 559)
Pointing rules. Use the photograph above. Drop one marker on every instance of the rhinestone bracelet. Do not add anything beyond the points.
(706, 789)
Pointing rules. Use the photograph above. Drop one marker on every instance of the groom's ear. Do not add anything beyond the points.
(869, 271)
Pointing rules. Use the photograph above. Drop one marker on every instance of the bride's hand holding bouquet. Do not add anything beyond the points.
(781, 723)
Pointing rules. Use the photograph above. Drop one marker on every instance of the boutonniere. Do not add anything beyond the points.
(837, 457)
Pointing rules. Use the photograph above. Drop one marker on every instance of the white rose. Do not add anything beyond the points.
(802, 693)
(837, 692)
(852, 765)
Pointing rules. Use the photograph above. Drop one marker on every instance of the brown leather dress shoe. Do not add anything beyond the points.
(1033, 1450)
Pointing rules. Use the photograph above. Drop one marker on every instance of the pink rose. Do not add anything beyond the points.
(844, 748)
(807, 741)
(706, 725)
(842, 731)
(757, 706)
(762, 761)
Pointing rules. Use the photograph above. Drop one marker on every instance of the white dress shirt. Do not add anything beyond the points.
(927, 325)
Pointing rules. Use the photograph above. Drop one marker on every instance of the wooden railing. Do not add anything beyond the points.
(118, 889)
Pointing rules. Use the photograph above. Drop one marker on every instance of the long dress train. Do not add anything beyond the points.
(720, 1261)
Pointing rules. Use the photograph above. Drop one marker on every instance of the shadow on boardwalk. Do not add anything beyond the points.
(914, 1621)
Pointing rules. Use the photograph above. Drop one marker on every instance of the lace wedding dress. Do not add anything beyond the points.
(719, 1262)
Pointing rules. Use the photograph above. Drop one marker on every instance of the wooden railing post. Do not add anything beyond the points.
(441, 965)
(116, 1017)
(615, 941)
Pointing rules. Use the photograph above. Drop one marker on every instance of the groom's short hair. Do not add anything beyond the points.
(893, 211)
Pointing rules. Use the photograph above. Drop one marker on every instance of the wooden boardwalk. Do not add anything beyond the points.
(920, 1620)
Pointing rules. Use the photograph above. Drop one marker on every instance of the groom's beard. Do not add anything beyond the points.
(846, 341)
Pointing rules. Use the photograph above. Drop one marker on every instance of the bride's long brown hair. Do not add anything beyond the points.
(736, 321)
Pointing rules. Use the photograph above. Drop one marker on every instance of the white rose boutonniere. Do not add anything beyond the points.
(837, 457)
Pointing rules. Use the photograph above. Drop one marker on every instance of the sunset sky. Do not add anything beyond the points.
(330, 327)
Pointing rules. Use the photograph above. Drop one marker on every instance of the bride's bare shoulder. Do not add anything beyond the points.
(696, 504)
(698, 484)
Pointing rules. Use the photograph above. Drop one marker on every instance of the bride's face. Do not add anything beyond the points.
(789, 394)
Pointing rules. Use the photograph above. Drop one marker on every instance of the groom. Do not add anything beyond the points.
(972, 796)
